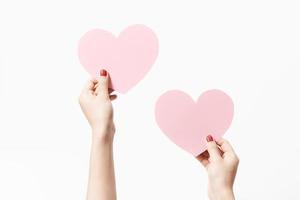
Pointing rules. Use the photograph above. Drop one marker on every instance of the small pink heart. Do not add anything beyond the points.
(127, 57)
(187, 123)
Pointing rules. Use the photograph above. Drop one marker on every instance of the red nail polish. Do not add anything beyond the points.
(103, 72)
(209, 138)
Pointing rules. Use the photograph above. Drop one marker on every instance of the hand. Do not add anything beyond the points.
(95, 101)
(221, 164)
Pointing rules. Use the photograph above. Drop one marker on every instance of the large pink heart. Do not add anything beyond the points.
(187, 123)
(127, 57)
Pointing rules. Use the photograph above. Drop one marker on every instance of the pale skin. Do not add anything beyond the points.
(95, 100)
(221, 163)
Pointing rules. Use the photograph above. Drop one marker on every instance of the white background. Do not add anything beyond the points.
(250, 49)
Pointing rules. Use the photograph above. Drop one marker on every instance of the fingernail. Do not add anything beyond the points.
(209, 138)
(103, 72)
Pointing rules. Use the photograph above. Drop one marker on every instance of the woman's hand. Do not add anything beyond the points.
(221, 164)
(95, 101)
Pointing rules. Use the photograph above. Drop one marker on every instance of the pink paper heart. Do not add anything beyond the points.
(127, 57)
(187, 123)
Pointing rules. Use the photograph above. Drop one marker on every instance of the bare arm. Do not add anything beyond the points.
(221, 163)
(101, 184)
(95, 101)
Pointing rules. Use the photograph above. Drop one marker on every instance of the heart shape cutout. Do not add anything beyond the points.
(127, 57)
(187, 123)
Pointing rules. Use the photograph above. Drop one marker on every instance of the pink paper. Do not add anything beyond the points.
(127, 57)
(187, 123)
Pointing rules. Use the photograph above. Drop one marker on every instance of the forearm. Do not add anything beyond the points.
(222, 195)
(101, 184)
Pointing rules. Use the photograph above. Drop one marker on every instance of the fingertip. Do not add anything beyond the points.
(102, 84)
(209, 138)
(103, 73)
(102, 76)
(213, 148)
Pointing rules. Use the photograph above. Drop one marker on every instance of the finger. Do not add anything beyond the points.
(225, 146)
(94, 80)
(88, 87)
(102, 85)
(212, 148)
(203, 158)
(109, 89)
(113, 97)
(97, 83)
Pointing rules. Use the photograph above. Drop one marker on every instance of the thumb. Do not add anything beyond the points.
(212, 148)
(102, 85)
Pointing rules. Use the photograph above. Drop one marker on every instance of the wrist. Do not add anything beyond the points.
(227, 194)
(103, 135)
(222, 194)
